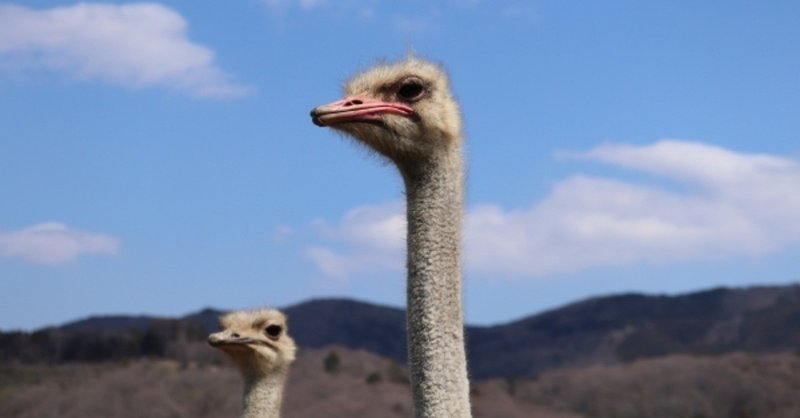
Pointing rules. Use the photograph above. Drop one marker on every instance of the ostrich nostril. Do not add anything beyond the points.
(235, 335)
(353, 102)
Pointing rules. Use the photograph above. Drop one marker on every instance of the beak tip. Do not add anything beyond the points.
(315, 117)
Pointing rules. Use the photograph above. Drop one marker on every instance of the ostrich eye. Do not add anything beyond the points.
(273, 331)
(411, 89)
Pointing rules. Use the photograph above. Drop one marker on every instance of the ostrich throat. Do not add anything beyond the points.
(263, 394)
(437, 360)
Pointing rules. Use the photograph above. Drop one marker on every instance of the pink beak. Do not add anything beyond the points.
(357, 109)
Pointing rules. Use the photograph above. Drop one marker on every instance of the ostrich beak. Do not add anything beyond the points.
(357, 109)
(227, 337)
(230, 338)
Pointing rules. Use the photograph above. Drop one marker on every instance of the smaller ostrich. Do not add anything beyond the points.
(258, 343)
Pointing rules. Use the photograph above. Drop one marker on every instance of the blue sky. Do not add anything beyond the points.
(158, 157)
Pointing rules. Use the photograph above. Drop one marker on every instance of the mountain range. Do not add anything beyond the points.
(598, 331)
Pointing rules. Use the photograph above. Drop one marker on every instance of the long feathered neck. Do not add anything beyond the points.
(263, 394)
(437, 361)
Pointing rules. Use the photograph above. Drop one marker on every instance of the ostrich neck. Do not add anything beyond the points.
(263, 395)
(437, 361)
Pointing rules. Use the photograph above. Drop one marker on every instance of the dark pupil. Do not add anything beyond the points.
(273, 330)
(410, 91)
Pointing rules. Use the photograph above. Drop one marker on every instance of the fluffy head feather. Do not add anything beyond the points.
(403, 111)
(256, 340)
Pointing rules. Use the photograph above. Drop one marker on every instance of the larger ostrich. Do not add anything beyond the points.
(406, 113)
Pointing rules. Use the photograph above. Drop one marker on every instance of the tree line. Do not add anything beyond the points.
(63, 346)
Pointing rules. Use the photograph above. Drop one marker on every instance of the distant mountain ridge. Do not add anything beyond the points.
(627, 327)
(602, 330)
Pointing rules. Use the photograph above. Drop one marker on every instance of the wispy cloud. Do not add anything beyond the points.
(54, 243)
(733, 204)
(133, 45)
(373, 238)
(282, 233)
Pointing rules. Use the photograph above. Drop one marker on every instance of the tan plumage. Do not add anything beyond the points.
(259, 345)
(406, 113)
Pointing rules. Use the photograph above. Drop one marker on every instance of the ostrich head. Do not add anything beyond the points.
(256, 341)
(404, 111)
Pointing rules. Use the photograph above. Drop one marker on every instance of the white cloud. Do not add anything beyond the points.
(54, 243)
(372, 237)
(133, 45)
(734, 204)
